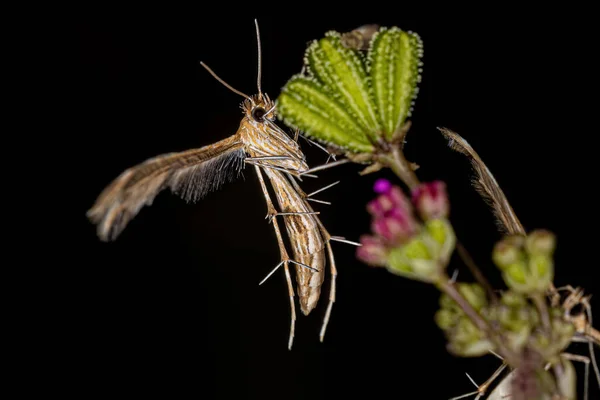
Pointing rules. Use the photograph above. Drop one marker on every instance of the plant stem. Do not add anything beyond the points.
(468, 260)
(450, 289)
(395, 160)
(542, 307)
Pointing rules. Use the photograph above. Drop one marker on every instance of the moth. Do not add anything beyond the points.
(191, 174)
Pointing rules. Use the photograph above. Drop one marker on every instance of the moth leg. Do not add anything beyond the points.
(332, 267)
(259, 162)
(332, 289)
(586, 361)
(322, 189)
(325, 166)
(288, 279)
(284, 255)
(311, 142)
(482, 389)
(588, 310)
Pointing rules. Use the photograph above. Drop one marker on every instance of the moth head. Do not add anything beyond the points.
(259, 108)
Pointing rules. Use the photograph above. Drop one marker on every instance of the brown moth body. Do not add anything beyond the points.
(193, 173)
(310, 250)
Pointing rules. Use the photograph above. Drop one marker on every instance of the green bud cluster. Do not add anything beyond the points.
(425, 256)
(526, 263)
(465, 339)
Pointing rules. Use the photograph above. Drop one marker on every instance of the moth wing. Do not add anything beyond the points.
(190, 174)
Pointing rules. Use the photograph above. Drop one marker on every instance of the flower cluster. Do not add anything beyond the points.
(412, 237)
(526, 263)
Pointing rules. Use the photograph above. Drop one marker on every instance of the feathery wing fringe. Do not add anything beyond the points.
(486, 186)
(190, 174)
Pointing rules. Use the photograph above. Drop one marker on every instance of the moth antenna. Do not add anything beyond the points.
(228, 86)
(259, 75)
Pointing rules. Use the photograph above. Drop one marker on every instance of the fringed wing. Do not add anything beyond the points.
(190, 174)
(486, 186)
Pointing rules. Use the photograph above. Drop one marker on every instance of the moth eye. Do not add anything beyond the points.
(258, 114)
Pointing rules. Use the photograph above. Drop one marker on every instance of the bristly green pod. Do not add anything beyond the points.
(395, 62)
(304, 104)
(350, 100)
(343, 72)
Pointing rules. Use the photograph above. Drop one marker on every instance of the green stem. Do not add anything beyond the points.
(450, 289)
(542, 307)
(470, 263)
(395, 160)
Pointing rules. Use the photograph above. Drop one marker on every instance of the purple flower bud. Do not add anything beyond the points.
(396, 227)
(385, 203)
(382, 186)
(372, 251)
(431, 201)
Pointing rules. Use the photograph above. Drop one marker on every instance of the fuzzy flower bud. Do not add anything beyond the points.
(372, 251)
(402, 244)
(526, 262)
(396, 228)
(508, 252)
(431, 200)
(390, 199)
(540, 242)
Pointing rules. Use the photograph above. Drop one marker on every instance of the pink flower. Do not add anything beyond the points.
(391, 199)
(396, 227)
(431, 200)
(372, 252)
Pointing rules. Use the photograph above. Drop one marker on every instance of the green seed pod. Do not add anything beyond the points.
(398, 263)
(447, 303)
(442, 238)
(414, 260)
(474, 294)
(445, 319)
(508, 251)
(304, 104)
(466, 340)
(516, 274)
(540, 242)
(513, 299)
(395, 66)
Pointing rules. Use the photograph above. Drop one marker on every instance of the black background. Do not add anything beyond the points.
(173, 307)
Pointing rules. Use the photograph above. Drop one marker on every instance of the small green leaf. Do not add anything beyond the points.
(354, 101)
(395, 61)
(304, 104)
(343, 72)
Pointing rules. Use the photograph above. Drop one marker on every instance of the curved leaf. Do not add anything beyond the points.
(394, 67)
(343, 72)
(305, 104)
